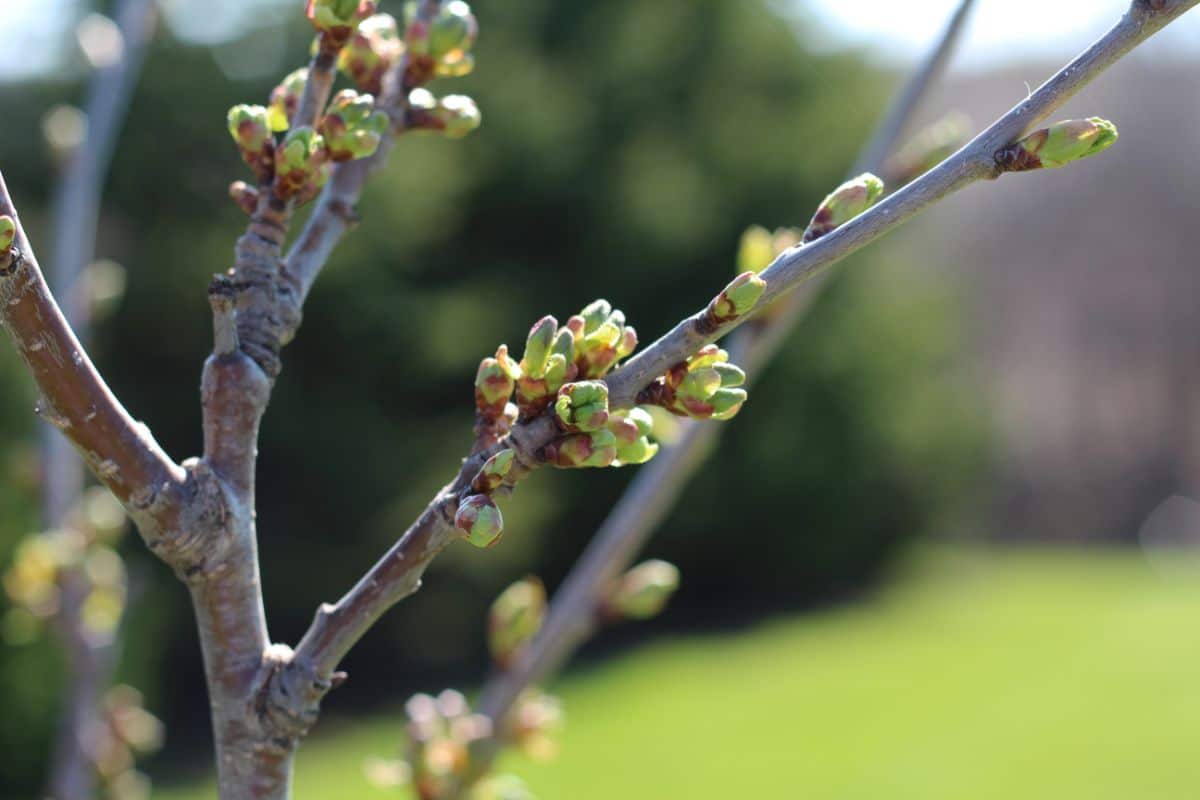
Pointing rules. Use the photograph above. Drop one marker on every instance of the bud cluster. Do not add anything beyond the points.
(298, 166)
(440, 732)
(642, 592)
(703, 387)
(596, 436)
(82, 554)
(515, 618)
(1058, 145)
(601, 339)
(547, 364)
(536, 724)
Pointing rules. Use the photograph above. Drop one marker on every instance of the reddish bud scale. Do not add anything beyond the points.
(245, 195)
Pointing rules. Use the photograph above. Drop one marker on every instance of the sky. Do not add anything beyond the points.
(897, 30)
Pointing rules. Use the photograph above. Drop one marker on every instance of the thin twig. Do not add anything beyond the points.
(339, 626)
(76, 212)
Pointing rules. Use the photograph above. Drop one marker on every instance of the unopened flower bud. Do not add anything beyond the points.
(564, 344)
(479, 518)
(371, 50)
(643, 591)
(249, 127)
(338, 15)
(245, 195)
(632, 430)
(726, 403)
(515, 617)
(738, 298)
(595, 314)
(495, 381)
(8, 232)
(537, 347)
(458, 115)
(582, 406)
(755, 250)
(596, 449)
(492, 474)
(731, 374)
(352, 127)
(285, 99)
(844, 204)
(1058, 145)
(452, 32)
(301, 163)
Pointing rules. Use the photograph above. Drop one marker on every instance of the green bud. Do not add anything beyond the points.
(756, 249)
(249, 127)
(373, 48)
(596, 449)
(1058, 145)
(285, 99)
(738, 298)
(537, 346)
(595, 314)
(352, 127)
(8, 232)
(699, 384)
(726, 403)
(582, 406)
(628, 342)
(731, 375)
(328, 15)
(631, 430)
(245, 195)
(492, 474)
(515, 618)
(458, 115)
(844, 204)
(480, 519)
(557, 372)
(495, 382)
(643, 591)
(300, 163)
(707, 356)
(452, 32)
(564, 344)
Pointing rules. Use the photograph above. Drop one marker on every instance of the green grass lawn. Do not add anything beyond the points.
(985, 674)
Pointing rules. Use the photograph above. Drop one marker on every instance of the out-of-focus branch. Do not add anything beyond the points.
(76, 212)
(309, 674)
(903, 109)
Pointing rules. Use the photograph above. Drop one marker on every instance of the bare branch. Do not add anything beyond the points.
(76, 400)
(904, 107)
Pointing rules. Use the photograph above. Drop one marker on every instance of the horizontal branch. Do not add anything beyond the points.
(76, 400)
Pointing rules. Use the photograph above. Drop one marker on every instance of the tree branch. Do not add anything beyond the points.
(310, 673)
(76, 400)
(76, 211)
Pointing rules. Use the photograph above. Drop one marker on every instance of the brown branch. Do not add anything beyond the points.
(76, 400)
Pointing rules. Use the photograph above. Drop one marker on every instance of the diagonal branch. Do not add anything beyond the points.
(310, 673)
(657, 486)
(76, 400)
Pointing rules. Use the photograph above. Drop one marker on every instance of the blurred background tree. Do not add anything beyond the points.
(616, 139)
